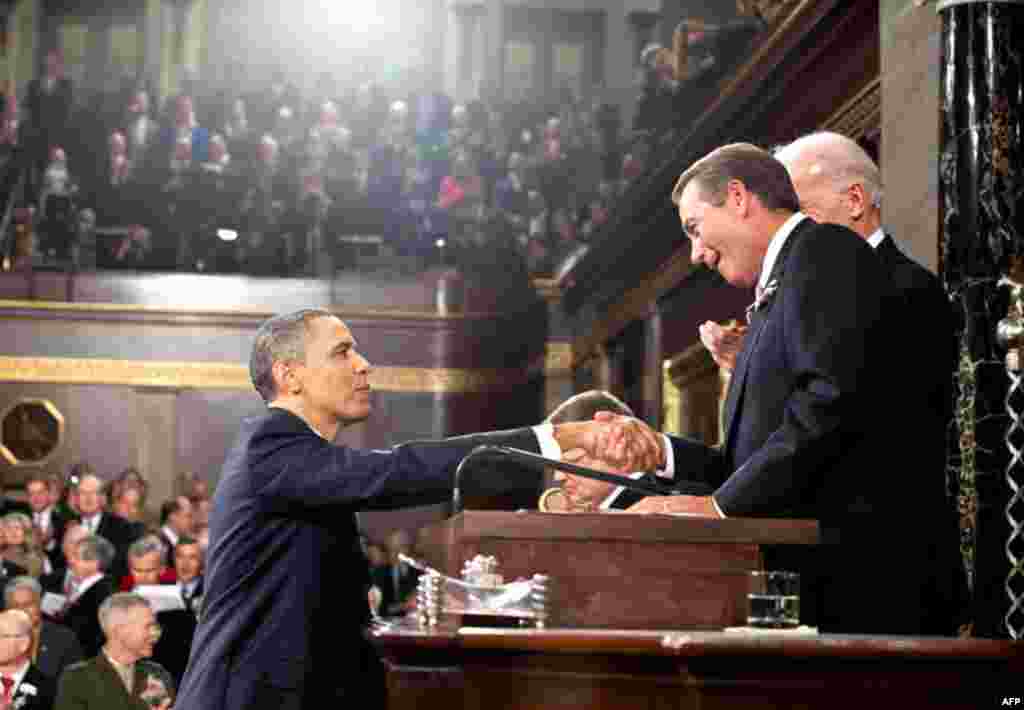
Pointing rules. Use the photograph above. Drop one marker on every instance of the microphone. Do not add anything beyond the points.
(647, 485)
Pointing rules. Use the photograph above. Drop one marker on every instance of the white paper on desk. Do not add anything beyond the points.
(52, 604)
(162, 597)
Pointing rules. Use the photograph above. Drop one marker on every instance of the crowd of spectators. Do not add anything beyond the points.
(280, 181)
(79, 540)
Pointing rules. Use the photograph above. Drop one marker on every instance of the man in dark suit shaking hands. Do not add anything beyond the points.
(838, 183)
(284, 601)
(811, 411)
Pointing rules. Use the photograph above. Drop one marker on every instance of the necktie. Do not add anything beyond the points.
(8, 688)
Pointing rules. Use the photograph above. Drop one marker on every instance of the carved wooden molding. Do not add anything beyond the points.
(235, 376)
(694, 363)
(634, 305)
(859, 116)
(376, 313)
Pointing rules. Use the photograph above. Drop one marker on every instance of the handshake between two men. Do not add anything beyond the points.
(598, 431)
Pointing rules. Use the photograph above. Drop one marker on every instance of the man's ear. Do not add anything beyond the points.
(285, 379)
(857, 201)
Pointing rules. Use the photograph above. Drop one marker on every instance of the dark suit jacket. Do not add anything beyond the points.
(926, 321)
(810, 422)
(9, 505)
(286, 579)
(58, 523)
(121, 534)
(172, 650)
(82, 617)
(45, 690)
(95, 685)
(58, 649)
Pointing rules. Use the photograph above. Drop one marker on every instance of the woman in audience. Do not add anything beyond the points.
(20, 546)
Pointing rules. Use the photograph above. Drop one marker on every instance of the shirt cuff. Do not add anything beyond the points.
(549, 448)
(670, 460)
(715, 503)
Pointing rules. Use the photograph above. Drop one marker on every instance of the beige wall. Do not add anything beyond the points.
(910, 125)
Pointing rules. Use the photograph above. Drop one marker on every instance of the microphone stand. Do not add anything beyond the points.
(645, 486)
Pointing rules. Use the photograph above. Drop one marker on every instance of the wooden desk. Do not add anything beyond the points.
(590, 668)
(621, 570)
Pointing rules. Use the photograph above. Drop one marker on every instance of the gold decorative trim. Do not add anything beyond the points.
(548, 289)
(235, 376)
(860, 114)
(380, 312)
(7, 455)
(694, 363)
(558, 358)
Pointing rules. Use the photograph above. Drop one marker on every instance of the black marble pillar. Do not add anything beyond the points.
(981, 187)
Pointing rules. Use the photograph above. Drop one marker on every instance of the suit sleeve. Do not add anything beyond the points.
(696, 461)
(70, 694)
(305, 471)
(832, 300)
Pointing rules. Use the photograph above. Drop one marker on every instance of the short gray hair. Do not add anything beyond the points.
(117, 604)
(95, 547)
(22, 582)
(145, 545)
(583, 407)
(280, 338)
(836, 159)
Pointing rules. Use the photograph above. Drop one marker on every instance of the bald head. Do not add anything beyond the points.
(836, 181)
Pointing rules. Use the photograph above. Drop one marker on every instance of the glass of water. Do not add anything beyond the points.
(773, 599)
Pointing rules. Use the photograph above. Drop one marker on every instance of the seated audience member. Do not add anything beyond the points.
(113, 528)
(24, 686)
(188, 571)
(57, 580)
(401, 587)
(89, 585)
(118, 677)
(54, 647)
(146, 563)
(48, 520)
(21, 547)
(130, 478)
(9, 505)
(585, 494)
(128, 501)
(8, 569)
(179, 625)
(175, 521)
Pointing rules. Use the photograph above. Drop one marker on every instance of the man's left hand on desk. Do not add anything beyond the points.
(697, 506)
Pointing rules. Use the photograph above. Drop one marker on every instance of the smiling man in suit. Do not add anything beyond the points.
(810, 416)
(285, 585)
(22, 685)
(837, 182)
(54, 647)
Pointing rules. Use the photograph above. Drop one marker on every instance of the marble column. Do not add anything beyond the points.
(982, 230)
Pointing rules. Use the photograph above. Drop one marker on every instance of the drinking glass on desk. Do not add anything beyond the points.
(773, 599)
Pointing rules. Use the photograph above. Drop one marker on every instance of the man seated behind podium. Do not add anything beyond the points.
(285, 595)
(587, 494)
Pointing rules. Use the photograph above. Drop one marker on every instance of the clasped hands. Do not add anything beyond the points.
(628, 444)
